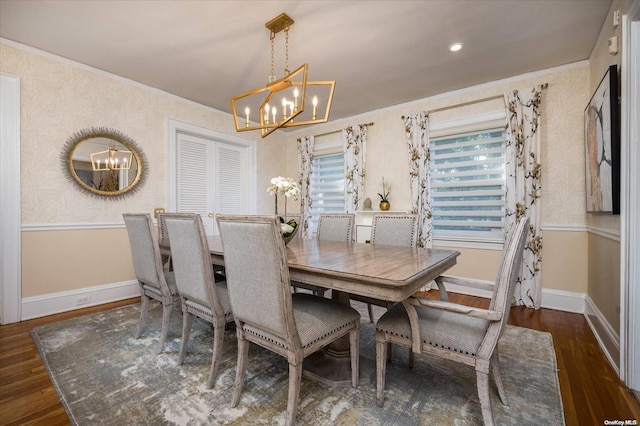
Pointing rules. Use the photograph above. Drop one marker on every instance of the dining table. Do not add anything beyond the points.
(387, 273)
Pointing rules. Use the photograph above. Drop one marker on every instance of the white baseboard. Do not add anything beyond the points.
(606, 336)
(469, 291)
(54, 303)
(560, 300)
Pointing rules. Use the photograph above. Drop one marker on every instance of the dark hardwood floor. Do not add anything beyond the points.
(591, 391)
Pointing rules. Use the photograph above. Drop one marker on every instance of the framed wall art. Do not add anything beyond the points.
(602, 144)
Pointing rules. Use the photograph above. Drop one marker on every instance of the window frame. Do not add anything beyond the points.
(486, 122)
(325, 146)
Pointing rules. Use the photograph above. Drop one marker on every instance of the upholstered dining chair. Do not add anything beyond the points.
(392, 230)
(265, 310)
(155, 282)
(457, 332)
(333, 227)
(163, 235)
(200, 294)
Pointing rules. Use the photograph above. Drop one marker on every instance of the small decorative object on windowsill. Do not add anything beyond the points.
(367, 203)
(288, 188)
(384, 196)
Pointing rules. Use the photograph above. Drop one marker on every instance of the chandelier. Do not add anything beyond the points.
(111, 159)
(281, 102)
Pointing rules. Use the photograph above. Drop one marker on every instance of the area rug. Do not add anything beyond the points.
(104, 375)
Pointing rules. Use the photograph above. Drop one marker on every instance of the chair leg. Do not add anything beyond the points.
(483, 395)
(218, 335)
(354, 340)
(295, 377)
(166, 314)
(370, 309)
(389, 351)
(186, 333)
(144, 307)
(243, 354)
(381, 369)
(412, 356)
(497, 377)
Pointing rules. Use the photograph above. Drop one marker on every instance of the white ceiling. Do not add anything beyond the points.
(380, 53)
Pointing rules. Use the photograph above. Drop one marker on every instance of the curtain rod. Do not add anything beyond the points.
(490, 98)
(336, 131)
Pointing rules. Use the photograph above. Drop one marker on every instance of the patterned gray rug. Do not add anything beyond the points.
(105, 376)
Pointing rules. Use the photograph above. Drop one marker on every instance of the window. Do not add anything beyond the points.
(468, 186)
(327, 186)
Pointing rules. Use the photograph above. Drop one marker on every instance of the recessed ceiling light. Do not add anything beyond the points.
(455, 47)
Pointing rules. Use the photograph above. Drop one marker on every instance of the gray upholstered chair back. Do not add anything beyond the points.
(163, 233)
(145, 251)
(509, 271)
(335, 227)
(192, 260)
(394, 230)
(257, 273)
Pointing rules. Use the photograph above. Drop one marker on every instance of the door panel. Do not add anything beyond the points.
(212, 177)
(195, 178)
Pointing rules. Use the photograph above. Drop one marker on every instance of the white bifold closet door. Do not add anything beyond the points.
(212, 177)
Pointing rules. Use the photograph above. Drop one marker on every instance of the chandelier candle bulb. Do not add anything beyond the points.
(246, 111)
(273, 113)
(296, 93)
(315, 106)
(284, 108)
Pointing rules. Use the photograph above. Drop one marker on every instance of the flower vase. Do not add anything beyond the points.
(385, 205)
(288, 237)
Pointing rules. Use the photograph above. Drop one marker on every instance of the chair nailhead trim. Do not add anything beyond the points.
(269, 339)
(449, 348)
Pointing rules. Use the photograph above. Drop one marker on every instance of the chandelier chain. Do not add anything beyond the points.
(286, 48)
(272, 77)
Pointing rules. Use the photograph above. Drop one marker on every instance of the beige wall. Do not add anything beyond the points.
(563, 191)
(58, 98)
(63, 260)
(604, 253)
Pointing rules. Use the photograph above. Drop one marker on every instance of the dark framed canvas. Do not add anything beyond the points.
(602, 144)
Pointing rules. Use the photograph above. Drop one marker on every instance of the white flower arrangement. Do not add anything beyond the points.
(284, 186)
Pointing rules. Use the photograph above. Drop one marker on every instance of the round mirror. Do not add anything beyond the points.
(104, 162)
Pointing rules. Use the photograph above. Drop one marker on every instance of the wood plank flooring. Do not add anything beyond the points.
(591, 391)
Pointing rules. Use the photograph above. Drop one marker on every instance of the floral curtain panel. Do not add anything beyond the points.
(524, 174)
(305, 154)
(417, 135)
(355, 144)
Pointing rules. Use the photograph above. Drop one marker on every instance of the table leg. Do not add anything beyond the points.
(332, 364)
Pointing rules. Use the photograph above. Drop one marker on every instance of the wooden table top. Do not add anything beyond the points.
(384, 272)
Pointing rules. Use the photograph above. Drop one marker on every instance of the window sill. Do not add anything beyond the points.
(478, 244)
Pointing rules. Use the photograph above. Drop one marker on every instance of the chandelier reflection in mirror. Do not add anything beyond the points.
(281, 103)
(111, 159)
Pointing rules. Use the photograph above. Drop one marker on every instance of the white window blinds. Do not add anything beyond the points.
(326, 185)
(468, 185)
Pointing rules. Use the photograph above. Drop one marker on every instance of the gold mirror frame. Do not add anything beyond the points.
(102, 132)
